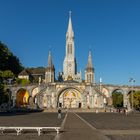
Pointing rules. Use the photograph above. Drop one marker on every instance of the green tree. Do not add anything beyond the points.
(8, 61)
(10, 67)
(1, 87)
(1, 92)
(22, 82)
(1, 79)
(136, 99)
(7, 74)
(117, 99)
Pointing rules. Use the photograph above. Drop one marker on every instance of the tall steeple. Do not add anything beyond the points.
(50, 70)
(89, 71)
(69, 64)
(70, 33)
(69, 61)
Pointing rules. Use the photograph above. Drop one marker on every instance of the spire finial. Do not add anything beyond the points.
(50, 47)
(90, 48)
(70, 13)
(89, 52)
(49, 53)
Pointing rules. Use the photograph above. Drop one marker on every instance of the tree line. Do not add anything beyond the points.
(117, 97)
(10, 67)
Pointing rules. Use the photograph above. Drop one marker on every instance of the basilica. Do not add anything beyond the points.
(69, 90)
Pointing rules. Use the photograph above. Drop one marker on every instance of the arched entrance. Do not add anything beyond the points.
(70, 98)
(133, 98)
(31, 101)
(35, 91)
(22, 98)
(117, 97)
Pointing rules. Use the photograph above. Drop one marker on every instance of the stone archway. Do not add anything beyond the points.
(105, 92)
(70, 98)
(35, 91)
(117, 97)
(31, 102)
(22, 98)
(130, 98)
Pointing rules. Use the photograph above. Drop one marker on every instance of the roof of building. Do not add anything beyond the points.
(24, 72)
(33, 71)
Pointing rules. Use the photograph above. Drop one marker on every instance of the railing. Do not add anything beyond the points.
(38, 129)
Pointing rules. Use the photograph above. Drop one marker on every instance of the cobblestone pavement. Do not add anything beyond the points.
(75, 128)
(30, 119)
(115, 126)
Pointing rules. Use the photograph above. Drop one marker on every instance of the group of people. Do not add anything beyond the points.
(125, 111)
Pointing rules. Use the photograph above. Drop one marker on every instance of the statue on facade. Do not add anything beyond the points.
(53, 100)
(39, 80)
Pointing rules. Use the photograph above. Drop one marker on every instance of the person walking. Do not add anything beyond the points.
(59, 113)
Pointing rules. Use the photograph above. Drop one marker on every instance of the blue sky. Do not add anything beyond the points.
(110, 28)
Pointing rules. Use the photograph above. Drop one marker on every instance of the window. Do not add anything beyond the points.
(69, 48)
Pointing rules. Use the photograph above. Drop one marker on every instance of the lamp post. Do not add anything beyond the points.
(132, 81)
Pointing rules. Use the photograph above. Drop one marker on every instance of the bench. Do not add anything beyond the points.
(38, 129)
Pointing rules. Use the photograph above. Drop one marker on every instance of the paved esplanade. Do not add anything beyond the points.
(75, 128)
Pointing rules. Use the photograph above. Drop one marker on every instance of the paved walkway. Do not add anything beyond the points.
(75, 128)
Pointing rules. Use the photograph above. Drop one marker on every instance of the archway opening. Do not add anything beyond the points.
(70, 98)
(31, 101)
(134, 99)
(35, 91)
(22, 98)
(117, 96)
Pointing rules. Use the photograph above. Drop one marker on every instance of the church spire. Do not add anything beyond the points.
(50, 60)
(69, 64)
(70, 32)
(50, 70)
(89, 71)
(89, 65)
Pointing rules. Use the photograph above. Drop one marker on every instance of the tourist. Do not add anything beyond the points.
(59, 113)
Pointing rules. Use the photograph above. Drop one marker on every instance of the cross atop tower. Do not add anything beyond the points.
(70, 13)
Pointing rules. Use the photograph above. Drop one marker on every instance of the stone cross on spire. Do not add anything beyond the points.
(70, 13)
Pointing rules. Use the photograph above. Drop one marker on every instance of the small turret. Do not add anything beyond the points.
(89, 71)
(50, 70)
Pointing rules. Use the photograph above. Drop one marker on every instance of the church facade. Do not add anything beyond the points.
(69, 90)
